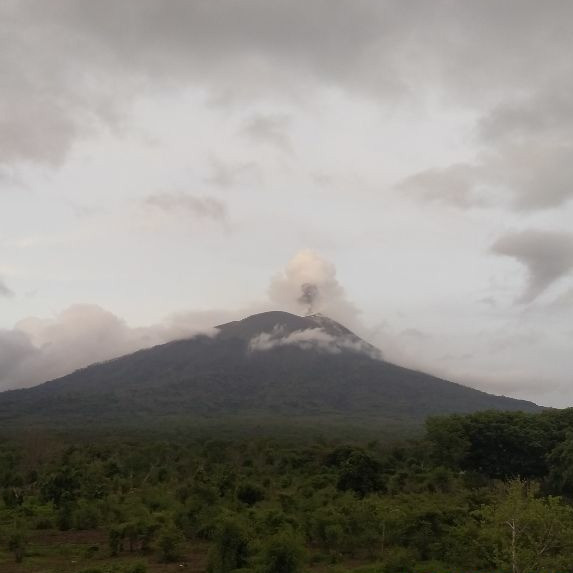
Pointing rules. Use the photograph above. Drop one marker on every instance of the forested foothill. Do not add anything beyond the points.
(486, 492)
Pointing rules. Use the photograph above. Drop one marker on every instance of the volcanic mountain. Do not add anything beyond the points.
(270, 365)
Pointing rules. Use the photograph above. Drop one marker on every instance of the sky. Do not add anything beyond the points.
(168, 166)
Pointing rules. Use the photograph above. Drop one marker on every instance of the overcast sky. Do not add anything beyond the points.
(165, 166)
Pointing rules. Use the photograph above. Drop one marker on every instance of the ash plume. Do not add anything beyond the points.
(309, 283)
(309, 296)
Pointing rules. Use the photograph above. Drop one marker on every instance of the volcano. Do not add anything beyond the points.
(273, 365)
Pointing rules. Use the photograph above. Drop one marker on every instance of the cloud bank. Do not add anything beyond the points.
(36, 349)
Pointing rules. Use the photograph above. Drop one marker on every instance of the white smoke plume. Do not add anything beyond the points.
(309, 285)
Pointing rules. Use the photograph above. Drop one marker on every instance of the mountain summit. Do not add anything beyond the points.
(268, 365)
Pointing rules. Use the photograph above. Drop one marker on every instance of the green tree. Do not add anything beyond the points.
(527, 534)
(561, 467)
(115, 540)
(17, 542)
(250, 493)
(282, 553)
(231, 548)
(361, 473)
(170, 544)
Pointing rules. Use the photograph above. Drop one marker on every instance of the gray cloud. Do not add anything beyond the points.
(71, 65)
(226, 174)
(4, 290)
(455, 185)
(36, 350)
(547, 113)
(207, 207)
(415, 334)
(548, 256)
(269, 129)
(525, 176)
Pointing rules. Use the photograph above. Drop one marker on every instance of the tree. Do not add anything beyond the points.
(282, 553)
(231, 548)
(526, 534)
(115, 540)
(17, 542)
(170, 544)
(250, 493)
(561, 467)
(360, 473)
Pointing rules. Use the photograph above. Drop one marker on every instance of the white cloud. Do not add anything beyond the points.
(36, 349)
(312, 339)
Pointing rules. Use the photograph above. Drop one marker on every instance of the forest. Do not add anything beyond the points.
(486, 492)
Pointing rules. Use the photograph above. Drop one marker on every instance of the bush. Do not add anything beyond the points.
(250, 493)
(86, 516)
(282, 553)
(231, 547)
(17, 544)
(115, 539)
(170, 544)
(399, 560)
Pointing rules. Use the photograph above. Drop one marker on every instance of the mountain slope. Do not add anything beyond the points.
(270, 364)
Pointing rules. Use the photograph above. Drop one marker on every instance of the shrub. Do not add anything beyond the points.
(170, 544)
(250, 493)
(282, 553)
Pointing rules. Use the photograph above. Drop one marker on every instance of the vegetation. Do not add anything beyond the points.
(486, 492)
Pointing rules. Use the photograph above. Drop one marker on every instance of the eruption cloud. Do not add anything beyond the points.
(309, 297)
(309, 285)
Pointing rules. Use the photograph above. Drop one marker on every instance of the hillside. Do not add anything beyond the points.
(271, 365)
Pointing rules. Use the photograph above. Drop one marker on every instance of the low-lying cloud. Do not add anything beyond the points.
(36, 349)
(312, 339)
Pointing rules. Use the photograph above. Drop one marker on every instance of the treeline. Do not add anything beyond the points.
(484, 492)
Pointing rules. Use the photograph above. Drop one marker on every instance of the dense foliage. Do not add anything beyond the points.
(484, 492)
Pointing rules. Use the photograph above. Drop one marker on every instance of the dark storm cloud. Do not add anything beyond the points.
(548, 256)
